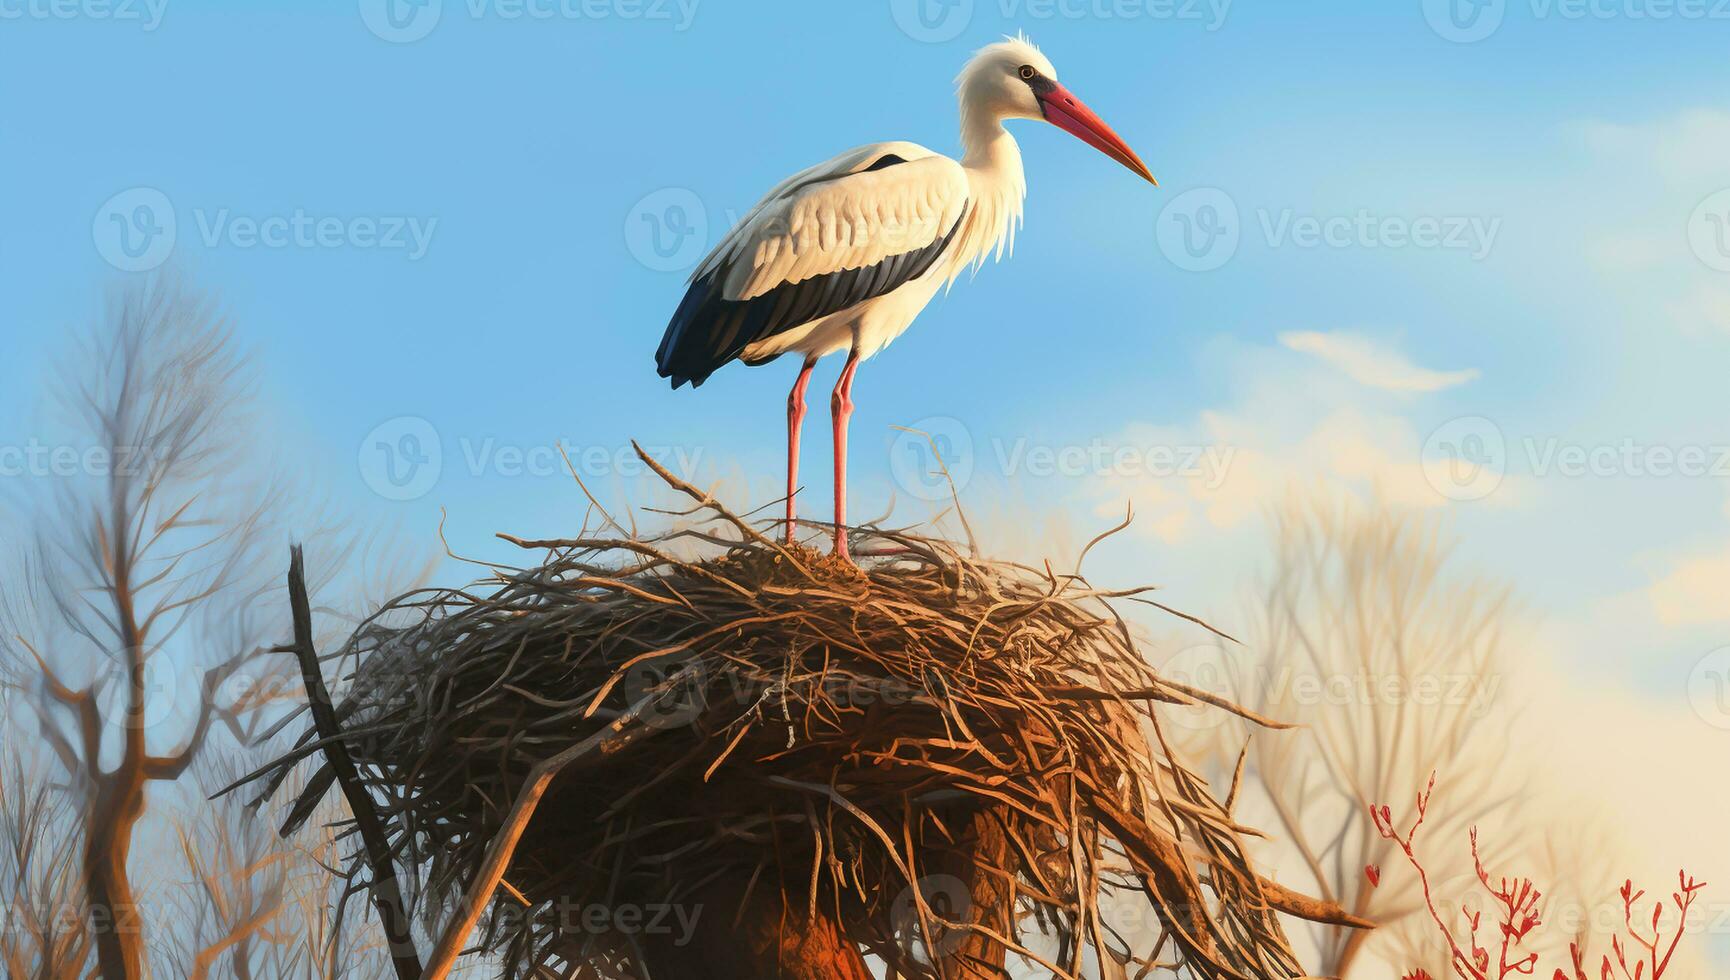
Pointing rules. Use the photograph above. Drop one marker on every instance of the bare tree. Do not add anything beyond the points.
(334, 938)
(238, 887)
(1390, 663)
(149, 570)
(44, 936)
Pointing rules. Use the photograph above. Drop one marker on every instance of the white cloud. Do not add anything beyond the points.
(1691, 585)
(1706, 309)
(1693, 593)
(1369, 363)
(1294, 423)
(1645, 181)
(1684, 147)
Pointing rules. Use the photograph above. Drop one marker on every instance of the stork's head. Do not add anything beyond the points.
(1013, 80)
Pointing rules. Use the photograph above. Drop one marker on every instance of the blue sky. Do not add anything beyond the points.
(1563, 164)
(530, 153)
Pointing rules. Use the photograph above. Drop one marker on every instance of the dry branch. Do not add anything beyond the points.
(386, 894)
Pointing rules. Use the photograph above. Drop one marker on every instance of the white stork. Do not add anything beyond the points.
(845, 255)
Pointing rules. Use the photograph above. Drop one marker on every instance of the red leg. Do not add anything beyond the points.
(841, 410)
(795, 419)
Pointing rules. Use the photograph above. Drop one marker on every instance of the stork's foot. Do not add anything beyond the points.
(841, 544)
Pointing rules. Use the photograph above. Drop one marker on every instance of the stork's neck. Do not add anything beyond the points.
(997, 185)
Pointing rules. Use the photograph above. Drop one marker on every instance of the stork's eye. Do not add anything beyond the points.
(1027, 72)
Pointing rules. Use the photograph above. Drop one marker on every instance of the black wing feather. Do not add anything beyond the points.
(708, 330)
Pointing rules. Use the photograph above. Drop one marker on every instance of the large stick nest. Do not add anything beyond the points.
(812, 726)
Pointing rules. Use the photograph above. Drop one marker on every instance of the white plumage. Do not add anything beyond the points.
(833, 218)
(844, 255)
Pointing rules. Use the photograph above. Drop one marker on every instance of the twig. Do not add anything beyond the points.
(619, 734)
(386, 894)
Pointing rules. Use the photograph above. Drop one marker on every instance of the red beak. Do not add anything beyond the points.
(1070, 114)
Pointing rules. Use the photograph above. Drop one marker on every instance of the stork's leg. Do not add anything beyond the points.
(841, 410)
(795, 419)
